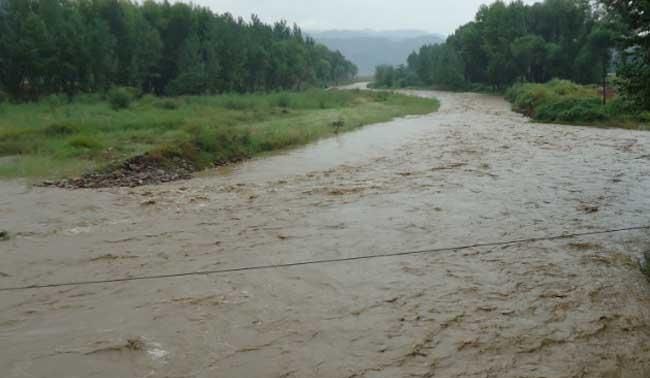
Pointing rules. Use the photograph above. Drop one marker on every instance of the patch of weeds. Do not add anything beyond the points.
(167, 105)
(222, 144)
(338, 124)
(644, 117)
(4, 235)
(237, 103)
(60, 129)
(85, 142)
(55, 100)
(120, 98)
(283, 101)
(567, 102)
(381, 96)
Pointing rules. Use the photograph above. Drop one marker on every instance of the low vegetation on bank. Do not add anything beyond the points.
(55, 138)
(562, 101)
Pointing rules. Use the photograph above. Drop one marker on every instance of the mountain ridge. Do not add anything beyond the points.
(369, 48)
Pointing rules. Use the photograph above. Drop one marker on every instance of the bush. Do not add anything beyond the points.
(55, 100)
(84, 142)
(120, 98)
(381, 96)
(167, 104)
(88, 98)
(563, 101)
(619, 106)
(134, 92)
(3, 97)
(283, 101)
(188, 83)
(222, 144)
(644, 117)
(571, 110)
(527, 97)
(238, 102)
(60, 129)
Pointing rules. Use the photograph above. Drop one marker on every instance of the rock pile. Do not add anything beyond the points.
(137, 171)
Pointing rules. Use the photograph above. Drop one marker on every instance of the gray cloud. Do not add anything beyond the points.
(439, 16)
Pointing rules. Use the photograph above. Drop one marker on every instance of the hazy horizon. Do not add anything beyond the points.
(441, 16)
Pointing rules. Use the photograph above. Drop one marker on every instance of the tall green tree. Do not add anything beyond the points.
(634, 17)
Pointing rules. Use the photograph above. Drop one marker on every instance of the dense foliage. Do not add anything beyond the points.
(564, 101)
(68, 46)
(513, 42)
(634, 74)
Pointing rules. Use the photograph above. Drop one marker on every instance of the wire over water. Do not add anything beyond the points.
(324, 261)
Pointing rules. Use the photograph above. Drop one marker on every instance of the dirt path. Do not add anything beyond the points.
(473, 172)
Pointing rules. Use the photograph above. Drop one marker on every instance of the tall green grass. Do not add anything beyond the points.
(567, 102)
(56, 138)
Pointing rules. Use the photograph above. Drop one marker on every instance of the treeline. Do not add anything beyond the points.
(633, 16)
(71, 46)
(514, 42)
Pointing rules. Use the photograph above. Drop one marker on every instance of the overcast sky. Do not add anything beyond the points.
(437, 16)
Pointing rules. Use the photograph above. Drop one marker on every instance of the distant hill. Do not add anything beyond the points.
(368, 48)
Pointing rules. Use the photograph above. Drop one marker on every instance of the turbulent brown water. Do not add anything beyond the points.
(473, 172)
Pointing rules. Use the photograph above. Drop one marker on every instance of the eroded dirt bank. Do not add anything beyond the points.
(471, 173)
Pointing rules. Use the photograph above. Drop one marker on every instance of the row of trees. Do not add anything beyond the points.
(514, 42)
(53, 46)
(579, 40)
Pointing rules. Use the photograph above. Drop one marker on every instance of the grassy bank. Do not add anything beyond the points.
(562, 101)
(54, 138)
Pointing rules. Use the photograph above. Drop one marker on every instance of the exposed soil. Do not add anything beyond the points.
(473, 172)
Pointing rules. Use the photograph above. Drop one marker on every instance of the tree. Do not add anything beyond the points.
(23, 42)
(530, 53)
(601, 43)
(634, 16)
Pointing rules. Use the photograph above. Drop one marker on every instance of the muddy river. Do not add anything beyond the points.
(472, 173)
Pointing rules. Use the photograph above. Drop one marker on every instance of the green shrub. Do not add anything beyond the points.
(527, 97)
(571, 110)
(60, 129)
(167, 104)
(563, 101)
(283, 101)
(3, 97)
(619, 106)
(18, 141)
(55, 100)
(84, 142)
(222, 144)
(88, 98)
(120, 98)
(237, 102)
(381, 96)
(644, 117)
(134, 92)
